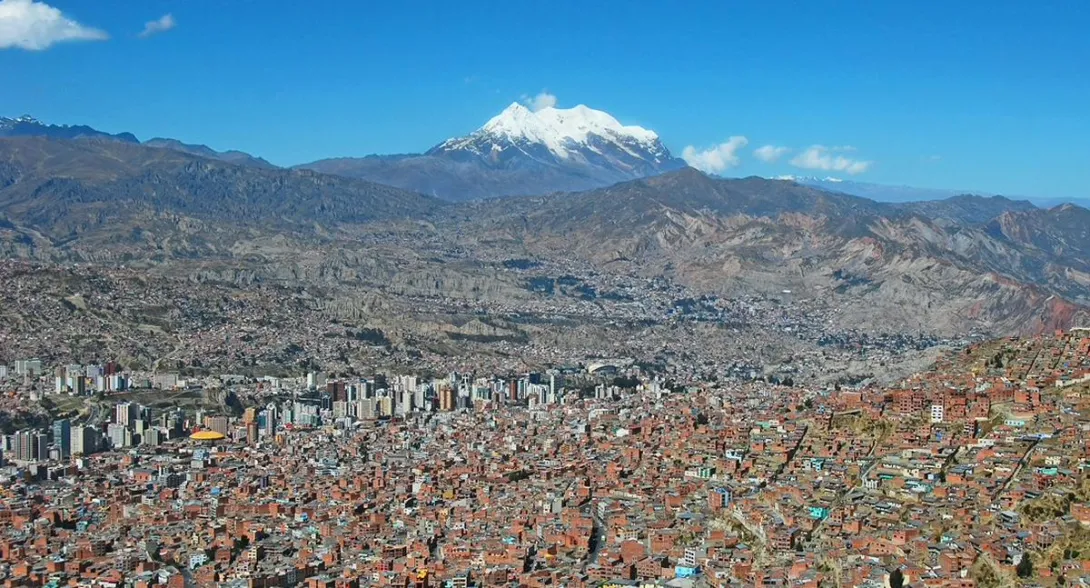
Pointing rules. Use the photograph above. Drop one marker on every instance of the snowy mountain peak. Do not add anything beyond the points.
(25, 119)
(563, 132)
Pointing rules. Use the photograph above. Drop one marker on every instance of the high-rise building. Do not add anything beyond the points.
(556, 382)
(447, 399)
(365, 408)
(152, 437)
(271, 416)
(41, 446)
(125, 413)
(73, 377)
(23, 447)
(385, 406)
(117, 383)
(338, 391)
(219, 424)
(62, 437)
(60, 379)
(84, 440)
(28, 367)
(120, 435)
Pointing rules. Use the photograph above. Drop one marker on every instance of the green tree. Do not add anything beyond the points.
(1024, 569)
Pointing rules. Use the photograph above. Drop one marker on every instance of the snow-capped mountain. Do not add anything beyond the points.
(28, 126)
(9, 123)
(522, 152)
(573, 136)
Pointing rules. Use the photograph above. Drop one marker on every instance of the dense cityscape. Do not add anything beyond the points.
(970, 474)
(555, 294)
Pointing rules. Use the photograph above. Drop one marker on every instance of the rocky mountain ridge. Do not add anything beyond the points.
(864, 264)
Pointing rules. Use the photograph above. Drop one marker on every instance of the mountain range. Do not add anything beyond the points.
(909, 194)
(951, 266)
(520, 152)
(28, 126)
(930, 268)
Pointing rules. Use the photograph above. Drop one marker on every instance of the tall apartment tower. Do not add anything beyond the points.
(62, 437)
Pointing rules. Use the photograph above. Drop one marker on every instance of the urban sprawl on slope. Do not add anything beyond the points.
(970, 474)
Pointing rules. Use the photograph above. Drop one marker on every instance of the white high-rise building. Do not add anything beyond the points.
(84, 440)
(120, 436)
(28, 367)
(125, 413)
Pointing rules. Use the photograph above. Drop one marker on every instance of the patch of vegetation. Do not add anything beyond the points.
(373, 336)
(849, 280)
(615, 297)
(628, 383)
(542, 285)
(521, 264)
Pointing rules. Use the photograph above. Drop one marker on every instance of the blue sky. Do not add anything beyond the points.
(990, 96)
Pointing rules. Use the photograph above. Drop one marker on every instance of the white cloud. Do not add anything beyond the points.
(715, 159)
(160, 25)
(34, 26)
(826, 159)
(770, 153)
(542, 100)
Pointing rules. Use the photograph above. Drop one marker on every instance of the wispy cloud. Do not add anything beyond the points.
(160, 25)
(770, 153)
(35, 26)
(829, 159)
(715, 159)
(542, 100)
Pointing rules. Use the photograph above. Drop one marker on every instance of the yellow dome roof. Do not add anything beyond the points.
(206, 436)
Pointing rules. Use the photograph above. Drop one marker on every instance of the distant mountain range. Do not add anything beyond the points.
(890, 193)
(962, 264)
(28, 126)
(520, 152)
(230, 156)
(68, 188)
